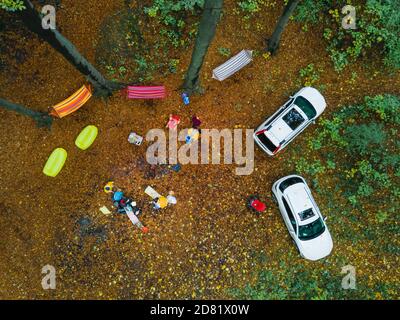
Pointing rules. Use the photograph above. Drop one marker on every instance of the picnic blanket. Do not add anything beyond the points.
(142, 92)
(73, 103)
(233, 65)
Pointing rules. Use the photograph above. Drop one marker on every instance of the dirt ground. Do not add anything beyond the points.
(202, 246)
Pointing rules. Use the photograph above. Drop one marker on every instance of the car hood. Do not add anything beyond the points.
(315, 98)
(317, 248)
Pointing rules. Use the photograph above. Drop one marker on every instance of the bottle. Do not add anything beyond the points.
(185, 98)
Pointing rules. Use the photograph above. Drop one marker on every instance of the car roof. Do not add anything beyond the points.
(279, 129)
(300, 199)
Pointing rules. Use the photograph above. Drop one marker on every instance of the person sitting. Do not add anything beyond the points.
(192, 135)
(160, 203)
(123, 203)
(173, 122)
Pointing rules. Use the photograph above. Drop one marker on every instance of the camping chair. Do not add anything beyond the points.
(152, 193)
(233, 65)
(73, 103)
(143, 92)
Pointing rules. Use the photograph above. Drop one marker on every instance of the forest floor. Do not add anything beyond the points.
(209, 242)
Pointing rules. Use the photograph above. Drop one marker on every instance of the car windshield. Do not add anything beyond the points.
(288, 182)
(306, 107)
(311, 230)
(293, 118)
(266, 142)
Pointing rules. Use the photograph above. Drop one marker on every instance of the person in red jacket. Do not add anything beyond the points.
(254, 203)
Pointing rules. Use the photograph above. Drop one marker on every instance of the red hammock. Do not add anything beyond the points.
(141, 92)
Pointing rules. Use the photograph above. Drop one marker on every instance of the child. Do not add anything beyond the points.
(173, 122)
(160, 203)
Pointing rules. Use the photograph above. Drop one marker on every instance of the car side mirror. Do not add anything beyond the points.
(314, 121)
(326, 218)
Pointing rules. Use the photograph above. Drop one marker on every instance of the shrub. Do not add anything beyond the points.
(224, 51)
(377, 23)
(297, 282)
(12, 5)
(359, 146)
(308, 11)
(250, 6)
(385, 106)
(362, 138)
(309, 75)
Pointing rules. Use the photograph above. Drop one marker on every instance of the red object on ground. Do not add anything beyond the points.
(145, 229)
(258, 205)
(142, 92)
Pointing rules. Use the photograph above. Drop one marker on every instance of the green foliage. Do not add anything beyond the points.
(128, 48)
(129, 51)
(377, 26)
(12, 5)
(169, 10)
(386, 29)
(226, 52)
(309, 167)
(309, 75)
(297, 282)
(137, 43)
(250, 6)
(359, 146)
(308, 11)
(369, 146)
(173, 65)
(385, 106)
(172, 14)
(361, 138)
(381, 216)
(247, 9)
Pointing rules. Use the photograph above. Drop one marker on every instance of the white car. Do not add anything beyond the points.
(292, 118)
(302, 217)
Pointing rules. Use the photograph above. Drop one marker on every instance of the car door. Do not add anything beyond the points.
(289, 219)
(296, 133)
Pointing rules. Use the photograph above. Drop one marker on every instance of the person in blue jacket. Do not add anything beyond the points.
(123, 203)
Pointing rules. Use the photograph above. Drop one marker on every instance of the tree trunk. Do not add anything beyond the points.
(273, 42)
(205, 34)
(42, 119)
(32, 20)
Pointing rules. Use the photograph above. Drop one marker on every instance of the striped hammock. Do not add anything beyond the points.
(141, 92)
(233, 65)
(73, 103)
